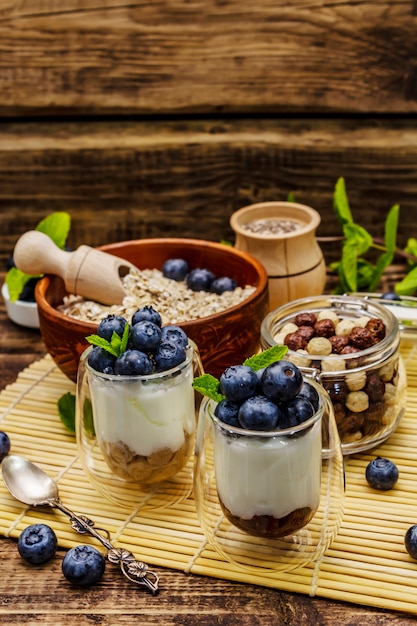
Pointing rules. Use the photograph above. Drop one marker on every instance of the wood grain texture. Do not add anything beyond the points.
(124, 180)
(31, 595)
(176, 56)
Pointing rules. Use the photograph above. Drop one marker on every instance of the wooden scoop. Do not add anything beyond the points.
(87, 272)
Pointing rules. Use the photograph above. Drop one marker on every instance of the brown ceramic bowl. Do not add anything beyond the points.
(223, 339)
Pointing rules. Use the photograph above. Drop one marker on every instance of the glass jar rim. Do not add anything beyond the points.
(267, 434)
(380, 351)
(144, 378)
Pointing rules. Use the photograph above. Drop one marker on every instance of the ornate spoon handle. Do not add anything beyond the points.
(136, 571)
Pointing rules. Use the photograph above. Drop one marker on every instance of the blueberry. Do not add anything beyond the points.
(145, 336)
(281, 381)
(227, 412)
(238, 383)
(176, 269)
(28, 292)
(147, 313)
(295, 412)
(311, 393)
(410, 541)
(381, 474)
(133, 363)
(259, 413)
(111, 324)
(101, 360)
(390, 295)
(37, 544)
(169, 355)
(200, 279)
(83, 565)
(222, 284)
(174, 334)
(4, 445)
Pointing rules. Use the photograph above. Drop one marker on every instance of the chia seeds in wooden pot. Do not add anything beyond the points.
(281, 235)
(351, 346)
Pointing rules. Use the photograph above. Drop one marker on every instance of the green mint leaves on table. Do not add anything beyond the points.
(66, 410)
(208, 385)
(56, 226)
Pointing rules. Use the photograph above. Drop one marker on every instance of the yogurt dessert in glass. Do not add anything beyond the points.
(145, 424)
(269, 483)
(269, 490)
(136, 410)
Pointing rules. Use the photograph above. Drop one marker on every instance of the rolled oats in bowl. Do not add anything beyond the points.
(173, 299)
(351, 346)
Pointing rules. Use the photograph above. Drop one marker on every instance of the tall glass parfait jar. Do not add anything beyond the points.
(350, 345)
(269, 500)
(136, 434)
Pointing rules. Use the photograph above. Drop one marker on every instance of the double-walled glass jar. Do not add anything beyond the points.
(351, 347)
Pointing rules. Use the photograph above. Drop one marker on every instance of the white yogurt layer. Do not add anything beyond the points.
(268, 476)
(146, 416)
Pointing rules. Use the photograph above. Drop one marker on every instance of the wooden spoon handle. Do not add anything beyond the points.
(35, 253)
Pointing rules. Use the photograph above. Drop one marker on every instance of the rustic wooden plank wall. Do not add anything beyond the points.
(161, 118)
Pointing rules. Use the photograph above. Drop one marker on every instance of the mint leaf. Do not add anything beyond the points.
(66, 410)
(208, 385)
(391, 225)
(116, 346)
(263, 359)
(88, 418)
(15, 281)
(408, 285)
(341, 203)
(56, 226)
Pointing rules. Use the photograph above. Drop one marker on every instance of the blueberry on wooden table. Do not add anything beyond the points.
(4, 445)
(83, 565)
(381, 474)
(410, 541)
(37, 543)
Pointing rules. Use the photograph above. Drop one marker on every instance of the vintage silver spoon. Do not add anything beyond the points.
(29, 484)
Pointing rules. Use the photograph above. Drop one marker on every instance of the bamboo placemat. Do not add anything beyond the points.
(366, 564)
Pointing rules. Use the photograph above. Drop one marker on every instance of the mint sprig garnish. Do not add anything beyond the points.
(263, 359)
(116, 346)
(209, 385)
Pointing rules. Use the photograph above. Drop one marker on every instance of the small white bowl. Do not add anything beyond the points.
(20, 312)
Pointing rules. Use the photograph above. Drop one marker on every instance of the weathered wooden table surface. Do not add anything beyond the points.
(40, 594)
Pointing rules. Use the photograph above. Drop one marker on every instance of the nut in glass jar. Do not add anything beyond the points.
(351, 347)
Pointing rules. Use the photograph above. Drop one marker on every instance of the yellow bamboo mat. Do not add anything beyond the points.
(366, 564)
